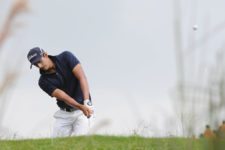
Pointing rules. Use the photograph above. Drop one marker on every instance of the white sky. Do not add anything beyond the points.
(127, 50)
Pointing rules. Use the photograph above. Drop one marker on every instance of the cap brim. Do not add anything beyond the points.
(31, 66)
(35, 61)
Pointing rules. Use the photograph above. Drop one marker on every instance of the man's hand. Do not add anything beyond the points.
(88, 103)
(86, 110)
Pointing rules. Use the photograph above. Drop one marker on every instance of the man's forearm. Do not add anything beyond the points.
(84, 88)
(61, 95)
(80, 75)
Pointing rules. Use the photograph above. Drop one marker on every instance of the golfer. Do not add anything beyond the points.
(62, 77)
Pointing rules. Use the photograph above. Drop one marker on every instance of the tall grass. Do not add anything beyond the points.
(200, 82)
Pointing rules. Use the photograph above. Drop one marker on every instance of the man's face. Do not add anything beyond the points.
(43, 64)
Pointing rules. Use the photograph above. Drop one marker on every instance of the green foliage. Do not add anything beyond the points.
(112, 143)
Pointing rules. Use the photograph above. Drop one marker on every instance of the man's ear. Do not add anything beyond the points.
(45, 54)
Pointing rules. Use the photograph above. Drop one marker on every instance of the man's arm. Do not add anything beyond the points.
(61, 95)
(80, 75)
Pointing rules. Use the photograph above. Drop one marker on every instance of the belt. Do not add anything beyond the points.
(67, 109)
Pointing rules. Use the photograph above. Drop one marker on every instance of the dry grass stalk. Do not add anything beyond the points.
(17, 8)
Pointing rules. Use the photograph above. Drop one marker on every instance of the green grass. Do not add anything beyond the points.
(112, 143)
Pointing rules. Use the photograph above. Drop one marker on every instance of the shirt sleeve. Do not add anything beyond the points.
(47, 87)
(70, 59)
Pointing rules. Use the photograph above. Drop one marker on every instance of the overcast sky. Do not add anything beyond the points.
(126, 48)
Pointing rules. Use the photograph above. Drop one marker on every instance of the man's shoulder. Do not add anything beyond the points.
(64, 53)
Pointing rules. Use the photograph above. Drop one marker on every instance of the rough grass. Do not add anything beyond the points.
(113, 143)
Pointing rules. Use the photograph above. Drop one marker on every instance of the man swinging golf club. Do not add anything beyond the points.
(62, 77)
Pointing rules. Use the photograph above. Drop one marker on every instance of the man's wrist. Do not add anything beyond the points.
(79, 106)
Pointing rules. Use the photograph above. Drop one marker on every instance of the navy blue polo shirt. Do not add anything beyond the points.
(63, 78)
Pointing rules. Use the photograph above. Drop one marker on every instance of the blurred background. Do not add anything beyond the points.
(155, 67)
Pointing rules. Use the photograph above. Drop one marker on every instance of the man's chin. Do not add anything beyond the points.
(44, 69)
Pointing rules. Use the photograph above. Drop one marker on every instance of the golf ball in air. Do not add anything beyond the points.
(195, 27)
